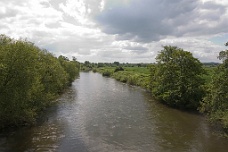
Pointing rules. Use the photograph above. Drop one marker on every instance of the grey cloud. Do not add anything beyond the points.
(45, 4)
(9, 13)
(91, 9)
(2, 26)
(122, 56)
(136, 49)
(55, 3)
(141, 20)
(141, 48)
(146, 20)
(209, 18)
(111, 54)
(139, 52)
(204, 50)
(53, 25)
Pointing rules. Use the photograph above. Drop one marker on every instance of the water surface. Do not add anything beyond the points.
(99, 114)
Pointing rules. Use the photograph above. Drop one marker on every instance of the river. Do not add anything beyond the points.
(98, 114)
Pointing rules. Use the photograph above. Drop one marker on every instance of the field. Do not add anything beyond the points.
(139, 76)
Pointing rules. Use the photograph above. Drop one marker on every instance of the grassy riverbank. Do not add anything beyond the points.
(138, 76)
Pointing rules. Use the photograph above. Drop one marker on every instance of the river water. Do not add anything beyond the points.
(99, 114)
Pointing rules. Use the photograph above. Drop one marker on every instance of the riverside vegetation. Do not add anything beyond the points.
(179, 80)
(30, 79)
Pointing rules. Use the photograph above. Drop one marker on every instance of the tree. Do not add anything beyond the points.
(87, 63)
(176, 78)
(226, 44)
(100, 65)
(116, 63)
(53, 76)
(70, 67)
(216, 101)
(61, 57)
(30, 78)
(19, 81)
(223, 55)
(74, 58)
(119, 68)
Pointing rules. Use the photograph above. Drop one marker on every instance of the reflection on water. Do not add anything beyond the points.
(100, 114)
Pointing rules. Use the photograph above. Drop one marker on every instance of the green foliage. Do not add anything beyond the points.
(99, 65)
(85, 69)
(119, 68)
(87, 66)
(209, 72)
(139, 70)
(121, 76)
(133, 78)
(94, 70)
(176, 78)
(216, 101)
(103, 69)
(70, 67)
(116, 63)
(107, 73)
(30, 78)
(138, 76)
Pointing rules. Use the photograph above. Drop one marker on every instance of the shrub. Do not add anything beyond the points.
(107, 73)
(118, 69)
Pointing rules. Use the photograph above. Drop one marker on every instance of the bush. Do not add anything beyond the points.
(176, 78)
(215, 102)
(118, 69)
(30, 78)
(107, 73)
(94, 70)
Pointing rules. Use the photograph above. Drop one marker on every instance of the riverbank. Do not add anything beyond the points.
(138, 76)
(101, 114)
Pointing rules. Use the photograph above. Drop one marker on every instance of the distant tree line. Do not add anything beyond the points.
(30, 79)
(87, 66)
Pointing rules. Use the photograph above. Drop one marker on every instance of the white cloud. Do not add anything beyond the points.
(29, 17)
(205, 50)
(76, 9)
(117, 30)
(102, 4)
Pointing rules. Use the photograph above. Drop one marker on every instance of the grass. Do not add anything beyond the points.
(140, 70)
(138, 76)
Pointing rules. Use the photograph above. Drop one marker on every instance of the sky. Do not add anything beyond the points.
(132, 31)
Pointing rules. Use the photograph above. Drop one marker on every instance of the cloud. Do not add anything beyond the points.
(147, 21)
(27, 17)
(118, 30)
(204, 50)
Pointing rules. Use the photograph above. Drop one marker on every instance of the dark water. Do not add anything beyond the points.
(101, 115)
